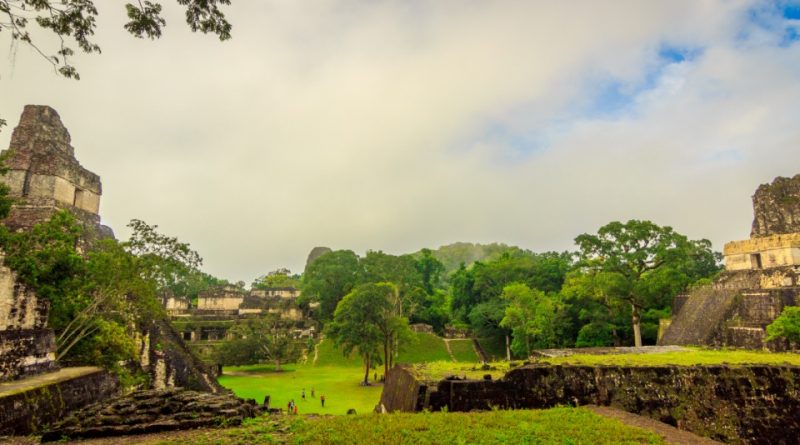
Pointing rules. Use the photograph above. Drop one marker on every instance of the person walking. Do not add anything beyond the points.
(303, 394)
(322, 399)
(312, 392)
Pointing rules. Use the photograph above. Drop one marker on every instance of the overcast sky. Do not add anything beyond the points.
(399, 124)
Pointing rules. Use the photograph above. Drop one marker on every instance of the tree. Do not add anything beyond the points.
(380, 267)
(367, 321)
(96, 296)
(258, 340)
(73, 22)
(531, 316)
(328, 279)
(476, 292)
(786, 326)
(430, 270)
(639, 263)
(277, 278)
(172, 264)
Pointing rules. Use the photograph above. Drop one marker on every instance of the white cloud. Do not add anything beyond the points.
(395, 125)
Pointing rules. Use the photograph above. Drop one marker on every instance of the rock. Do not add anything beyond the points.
(154, 411)
(776, 207)
(316, 253)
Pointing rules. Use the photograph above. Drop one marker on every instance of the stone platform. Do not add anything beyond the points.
(153, 411)
(32, 404)
(746, 404)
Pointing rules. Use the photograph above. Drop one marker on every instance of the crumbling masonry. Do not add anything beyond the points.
(760, 279)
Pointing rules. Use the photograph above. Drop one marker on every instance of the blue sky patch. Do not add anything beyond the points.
(791, 10)
(677, 54)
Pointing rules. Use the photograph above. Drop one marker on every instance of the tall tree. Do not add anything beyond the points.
(258, 340)
(531, 315)
(631, 260)
(430, 270)
(368, 320)
(97, 296)
(380, 267)
(329, 278)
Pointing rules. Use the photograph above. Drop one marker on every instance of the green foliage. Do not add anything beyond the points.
(452, 256)
(355, 326)
(430, 270)
(532, 316)
(258, 340)
(595, 334)
(280, 278)
(101, 292)
(74, 22)
(328, 279)
(641, 265)
(368, 321)
(786, 326)
(95, 297)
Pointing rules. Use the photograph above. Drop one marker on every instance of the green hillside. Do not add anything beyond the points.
(424, 348)
(452, 255)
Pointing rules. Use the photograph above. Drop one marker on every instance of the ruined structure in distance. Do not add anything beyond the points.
(760, 279)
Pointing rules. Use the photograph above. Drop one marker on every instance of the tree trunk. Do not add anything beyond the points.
(366, 370)
(527, 346)
(508, 349)
(386, 357)
(637, 327)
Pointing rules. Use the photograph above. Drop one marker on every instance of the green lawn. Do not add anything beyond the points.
(328, 355)
(694, 356)
(425, 348)
(340, 385)
(334, 375)
(464, 351)
(552, 426)
(495, 348)
(438, 370)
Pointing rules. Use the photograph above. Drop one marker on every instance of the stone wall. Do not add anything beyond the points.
(740, 405)
(26, 344)
(777, 207)
(763, 253)
(171, 363)
(34, 407)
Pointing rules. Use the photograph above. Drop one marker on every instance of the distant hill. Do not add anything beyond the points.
(452, 255)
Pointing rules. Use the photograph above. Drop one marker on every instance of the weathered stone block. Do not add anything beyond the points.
(736, 404)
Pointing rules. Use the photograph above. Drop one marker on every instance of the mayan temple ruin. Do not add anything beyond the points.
(760, 279)
(44, 177)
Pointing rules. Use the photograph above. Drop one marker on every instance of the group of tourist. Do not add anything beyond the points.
(291, 407)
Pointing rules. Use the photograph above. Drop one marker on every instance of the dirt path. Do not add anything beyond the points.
(669, 433)
(479, 350)
(316, 351)
(449, 351)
